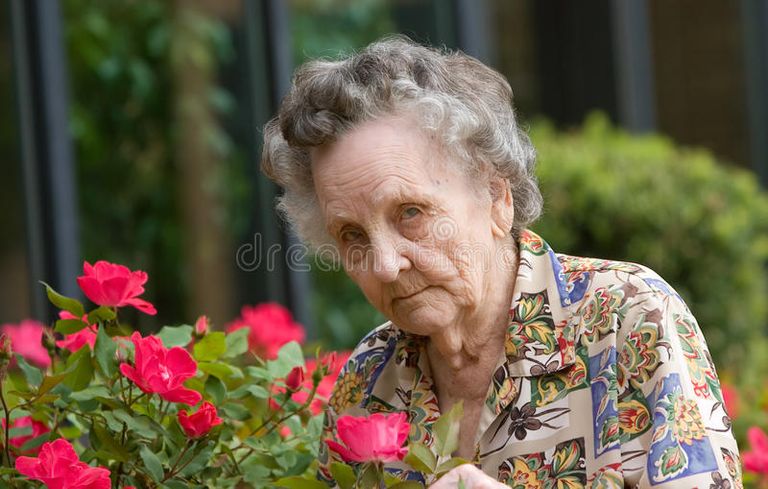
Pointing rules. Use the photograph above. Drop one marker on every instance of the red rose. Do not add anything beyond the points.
(59, 467)
(376, 438)
(27, 340)
(108, 284)
(271, 326)
(295, 378)
(200, 423)
(161, 370)
(75, 341)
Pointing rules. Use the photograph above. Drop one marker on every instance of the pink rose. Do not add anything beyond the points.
(200, 423)
(59, 467)
(75, 341)
(38, 429)
(161, 370)
(756, 460)
(271, 326)
(108, 284)
(27, 340)
(376, 438)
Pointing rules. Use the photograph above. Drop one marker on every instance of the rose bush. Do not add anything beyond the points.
(87, 403)
(102, 407)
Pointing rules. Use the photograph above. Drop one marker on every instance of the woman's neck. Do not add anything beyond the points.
(464, 354)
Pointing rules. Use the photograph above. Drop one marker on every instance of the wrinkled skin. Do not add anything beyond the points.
(429, 247)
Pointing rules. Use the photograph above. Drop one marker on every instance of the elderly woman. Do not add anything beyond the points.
(573, 372)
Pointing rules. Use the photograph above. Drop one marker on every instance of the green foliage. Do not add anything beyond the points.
(125, 60)
(138, 436)
(327, 28)
(700, 224)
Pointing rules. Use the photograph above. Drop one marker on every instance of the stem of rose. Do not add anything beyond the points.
(304, 406)
(173, 470)
(281, 420)
(120, 465)
(7, 417)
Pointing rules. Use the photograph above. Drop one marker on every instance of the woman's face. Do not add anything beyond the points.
(414, 234)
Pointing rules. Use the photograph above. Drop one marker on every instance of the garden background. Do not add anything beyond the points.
(649, 118)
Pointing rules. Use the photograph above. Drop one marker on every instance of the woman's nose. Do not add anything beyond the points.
(388, 260)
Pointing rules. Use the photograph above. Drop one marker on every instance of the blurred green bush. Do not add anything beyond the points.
(702, 225)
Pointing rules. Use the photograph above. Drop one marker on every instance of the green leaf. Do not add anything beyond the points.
(297, 482)
(22, 431)
(407, 485)
(141, 424)
(90, 393)
(216, 389)
(198, 462)
(69, 326)
(44, 399)
(221, 370)
(175, 335)
(451, 464)
(421, 458)
(236, 411)
(211, 347)
(80, 369)
(259, 373)
(237, 343)
(256, 475)
(113, 423)
(152, 463)
(35, 442)
(104, 351)
(101, 314)
(176, 484)
(109, 444)
(33, 375)
(370, 476)
(49, 382)
(62, 302)
(391, 479)
(446, 430)
(254, 390)
(343, 475)
(289, 356)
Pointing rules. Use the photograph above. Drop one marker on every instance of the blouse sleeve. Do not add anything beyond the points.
(675, 432)
(325, 456)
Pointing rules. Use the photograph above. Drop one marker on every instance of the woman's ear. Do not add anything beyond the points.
(502, 208)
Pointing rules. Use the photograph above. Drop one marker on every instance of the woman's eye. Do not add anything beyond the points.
(411, 212)
(350, 235)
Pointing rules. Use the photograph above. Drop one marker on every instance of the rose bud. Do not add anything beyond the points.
(295, 379)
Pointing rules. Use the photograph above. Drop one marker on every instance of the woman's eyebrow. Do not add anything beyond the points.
(399, 194)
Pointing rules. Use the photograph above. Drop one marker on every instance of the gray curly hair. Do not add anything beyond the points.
(466, 103)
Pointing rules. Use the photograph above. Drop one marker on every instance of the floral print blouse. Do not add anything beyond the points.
(605, 382)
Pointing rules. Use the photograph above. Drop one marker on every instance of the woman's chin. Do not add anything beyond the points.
(423, 320)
